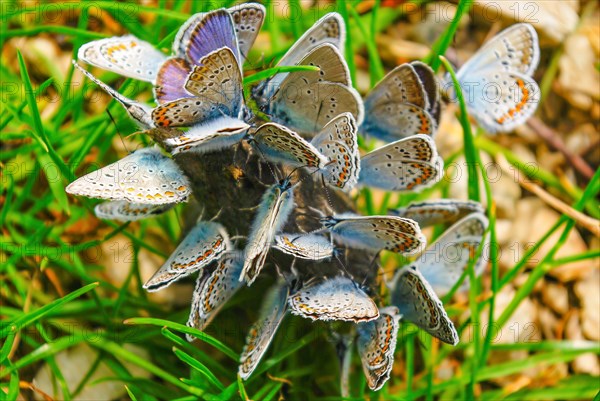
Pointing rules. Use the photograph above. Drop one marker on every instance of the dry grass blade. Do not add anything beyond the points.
(591, 224)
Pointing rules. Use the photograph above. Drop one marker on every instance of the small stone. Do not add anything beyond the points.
(548, 323)
(74, 363)
(552, 19)
(556, 297)
(585, 363)
(588, 292)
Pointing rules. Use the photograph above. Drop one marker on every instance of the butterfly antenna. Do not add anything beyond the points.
(262, 155)
(303, 178)
(343, 266)
(327, 195)
(117, 129)
(216, 216)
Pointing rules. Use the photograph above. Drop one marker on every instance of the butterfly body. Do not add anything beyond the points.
(275, 207)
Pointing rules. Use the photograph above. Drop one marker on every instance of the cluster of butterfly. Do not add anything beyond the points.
(314, 117)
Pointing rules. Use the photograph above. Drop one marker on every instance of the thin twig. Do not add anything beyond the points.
(553, 139)
(593, 225)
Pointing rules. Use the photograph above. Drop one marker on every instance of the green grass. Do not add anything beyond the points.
(54, 295)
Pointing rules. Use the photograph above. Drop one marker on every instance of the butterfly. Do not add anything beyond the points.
(139, 112)
(432, 89)
(338, 298)
(277, 143)
(377, 344)
(304, 246)
(409, 164)
(215, 88)
(145, 176)
(375, 233)
(124, 55)
(126, 211)
(247, 20)
(338, 142)
(418, 304)
(430, 213)
(498, 89)
(205, 243)
(205, 137)
(306, 101)
(201, 35)
(397, 107)
(329, 29)
(214, 97)
(262, 332)
(273, 211)
(444, 261)
(214, 289)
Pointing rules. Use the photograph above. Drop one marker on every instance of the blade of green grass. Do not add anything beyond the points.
(120, 352)
(242, 388)
(199, 367)
(342, 8)
(376, 71)
(470, 151)
(37, 314)
(269, 72)
(202, 336)
(442, 44)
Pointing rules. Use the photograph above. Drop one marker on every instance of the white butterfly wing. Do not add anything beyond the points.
(443, 263)
(145, 176)
(126, 211)
(124, 55)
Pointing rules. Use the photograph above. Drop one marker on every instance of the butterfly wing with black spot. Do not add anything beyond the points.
(282, 145)
(377, 344)
(409, 164)
(375, 233)
(124, 55)
(338, 142)
(145, 176)
(274, 209)
(262, 332)
(432, 212)
(418, 303)
(214, 289)
(205, 243)
(397, 107)
(444, 262)
(216, 89)
(338, 298)
(121, 210)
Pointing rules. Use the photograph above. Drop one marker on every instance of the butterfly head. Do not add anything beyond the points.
(328, 221)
